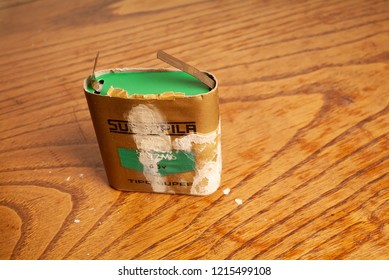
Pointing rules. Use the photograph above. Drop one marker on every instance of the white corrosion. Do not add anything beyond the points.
(238, 201)
(210, 171)
(226, 191)
(144, 120)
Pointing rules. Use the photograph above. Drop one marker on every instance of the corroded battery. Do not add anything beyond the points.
(158, 130)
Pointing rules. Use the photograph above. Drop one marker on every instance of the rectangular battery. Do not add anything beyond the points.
(158, 130)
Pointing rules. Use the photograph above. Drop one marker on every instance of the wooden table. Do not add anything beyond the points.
(304, 97)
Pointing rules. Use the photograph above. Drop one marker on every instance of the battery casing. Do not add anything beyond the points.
(166, 144)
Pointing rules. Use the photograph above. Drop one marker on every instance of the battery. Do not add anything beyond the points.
(158, 130)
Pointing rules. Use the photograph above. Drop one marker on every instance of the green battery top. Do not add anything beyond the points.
(152, 82)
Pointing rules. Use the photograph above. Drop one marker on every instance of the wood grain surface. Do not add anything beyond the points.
(304, 91)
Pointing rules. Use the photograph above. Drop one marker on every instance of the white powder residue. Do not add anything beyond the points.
(185, 143)
(226, 191)
(68, 178)
(145, 120)
(76, 221)
(208, 171)
(238, 201)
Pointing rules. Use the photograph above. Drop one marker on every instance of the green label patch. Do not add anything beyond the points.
(166, 162)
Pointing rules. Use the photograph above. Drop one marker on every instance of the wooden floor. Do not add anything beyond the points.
(304, 93)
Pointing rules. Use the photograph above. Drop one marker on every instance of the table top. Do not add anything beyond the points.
(304, 110)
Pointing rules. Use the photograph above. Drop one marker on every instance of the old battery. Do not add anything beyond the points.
(158, 130)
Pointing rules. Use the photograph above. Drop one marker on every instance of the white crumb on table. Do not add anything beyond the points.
(226, 191)
(68, 178)
(76, 221)
(238, 201)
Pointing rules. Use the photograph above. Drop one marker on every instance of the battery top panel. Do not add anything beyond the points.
(150, 82)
